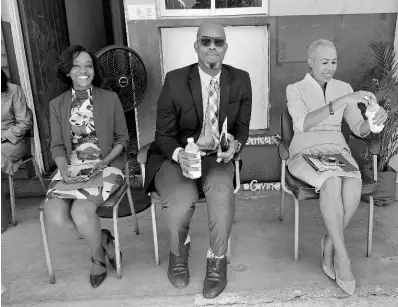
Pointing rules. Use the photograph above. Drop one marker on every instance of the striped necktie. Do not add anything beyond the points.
(213, 110)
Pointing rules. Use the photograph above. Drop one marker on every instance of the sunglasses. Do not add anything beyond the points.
(206, 41)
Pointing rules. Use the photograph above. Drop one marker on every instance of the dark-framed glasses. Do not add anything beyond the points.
(207, 40)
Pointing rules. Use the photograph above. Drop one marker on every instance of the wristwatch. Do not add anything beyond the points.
(331, 108)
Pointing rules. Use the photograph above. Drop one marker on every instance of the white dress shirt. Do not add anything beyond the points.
(205, 84)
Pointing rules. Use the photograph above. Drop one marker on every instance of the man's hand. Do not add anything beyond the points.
(70, 178)
(189, 162)
(229, 154)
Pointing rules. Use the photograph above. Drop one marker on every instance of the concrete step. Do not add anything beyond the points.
(179, 301)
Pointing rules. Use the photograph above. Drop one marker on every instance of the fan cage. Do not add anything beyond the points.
(123, 73)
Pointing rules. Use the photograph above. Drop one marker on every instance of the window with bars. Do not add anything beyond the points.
(212, 7)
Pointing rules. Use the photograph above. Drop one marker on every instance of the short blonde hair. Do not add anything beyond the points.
(320, 42)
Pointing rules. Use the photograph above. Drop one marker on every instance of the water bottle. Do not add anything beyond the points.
(370, 113)
(193, 148)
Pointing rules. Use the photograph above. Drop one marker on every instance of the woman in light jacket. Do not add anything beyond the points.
(89, 139)
(317, 105)
(16, 122)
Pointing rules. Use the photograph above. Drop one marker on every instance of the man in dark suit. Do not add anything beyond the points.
(194, 103)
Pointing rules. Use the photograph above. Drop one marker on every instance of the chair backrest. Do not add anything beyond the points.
(287, 128)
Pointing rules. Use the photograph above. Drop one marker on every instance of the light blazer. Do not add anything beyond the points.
(109, 121)
(180, 112)
(306, 96)
(16, 117)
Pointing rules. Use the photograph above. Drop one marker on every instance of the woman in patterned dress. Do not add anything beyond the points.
(317, 105)
(89, 139)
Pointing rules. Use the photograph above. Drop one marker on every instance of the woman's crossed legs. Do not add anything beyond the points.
(339, 199)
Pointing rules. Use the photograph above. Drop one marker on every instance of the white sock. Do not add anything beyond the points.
(210, 254)
(187, 240)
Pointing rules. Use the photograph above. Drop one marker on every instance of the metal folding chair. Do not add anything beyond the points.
(302, 191)
(156, 199)
(112, 202)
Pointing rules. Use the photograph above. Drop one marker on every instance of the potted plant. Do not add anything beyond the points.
(380, 77)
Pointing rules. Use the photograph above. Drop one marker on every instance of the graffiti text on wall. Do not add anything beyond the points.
(254, 185)
(260, 140)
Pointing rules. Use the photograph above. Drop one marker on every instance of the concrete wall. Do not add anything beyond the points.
(290, 35)
(86, 24)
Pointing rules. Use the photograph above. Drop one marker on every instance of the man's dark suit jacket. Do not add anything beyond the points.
(180, 112)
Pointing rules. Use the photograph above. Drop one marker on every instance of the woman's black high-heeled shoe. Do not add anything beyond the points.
(96, 280)
(110, 239)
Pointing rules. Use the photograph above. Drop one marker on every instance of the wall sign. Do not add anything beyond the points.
(254, 186)
(141, 11)
(260, 140)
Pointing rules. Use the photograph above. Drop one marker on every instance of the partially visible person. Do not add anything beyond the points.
(317, 105)
(16, 122)
(89, 139)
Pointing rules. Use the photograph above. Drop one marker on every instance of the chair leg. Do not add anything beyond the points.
(117, 243)
(132, 208)
(282, 208)
(296, 228)
(12, 198)
(370, 227)
(38, 172)
(155, 234)
(228, 255)
(46, 250)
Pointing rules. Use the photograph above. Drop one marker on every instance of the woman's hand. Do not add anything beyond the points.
(365, 97)
(380, 117)
(97, 168)
(70, 178)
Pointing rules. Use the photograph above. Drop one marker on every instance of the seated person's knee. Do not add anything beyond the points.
(331, 183)
(82, 213)
(56, 214)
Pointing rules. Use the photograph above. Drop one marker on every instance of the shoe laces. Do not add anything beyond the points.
(182, 259)
(215, 265)
(185, 253)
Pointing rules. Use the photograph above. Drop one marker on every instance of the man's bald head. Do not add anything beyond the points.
(211, 29)
(211, 47)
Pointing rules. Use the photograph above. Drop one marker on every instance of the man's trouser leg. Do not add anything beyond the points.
(179, 195)
(217, 184)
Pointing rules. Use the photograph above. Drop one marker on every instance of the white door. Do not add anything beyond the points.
(247, 50)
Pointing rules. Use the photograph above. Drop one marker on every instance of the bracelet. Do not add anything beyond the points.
(331, 108)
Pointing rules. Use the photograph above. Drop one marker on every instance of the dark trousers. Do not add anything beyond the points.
(179, 195)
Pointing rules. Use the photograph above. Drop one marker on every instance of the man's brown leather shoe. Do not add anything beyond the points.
(216, 277)
(178, 272)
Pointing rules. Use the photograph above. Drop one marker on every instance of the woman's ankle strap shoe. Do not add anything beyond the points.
(96, 280)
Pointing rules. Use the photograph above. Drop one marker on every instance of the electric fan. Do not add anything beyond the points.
(124, 73)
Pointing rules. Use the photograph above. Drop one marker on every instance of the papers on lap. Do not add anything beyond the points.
(81, 170)
(335, 162)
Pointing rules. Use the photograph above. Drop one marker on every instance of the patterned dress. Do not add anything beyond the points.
(85, 153)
